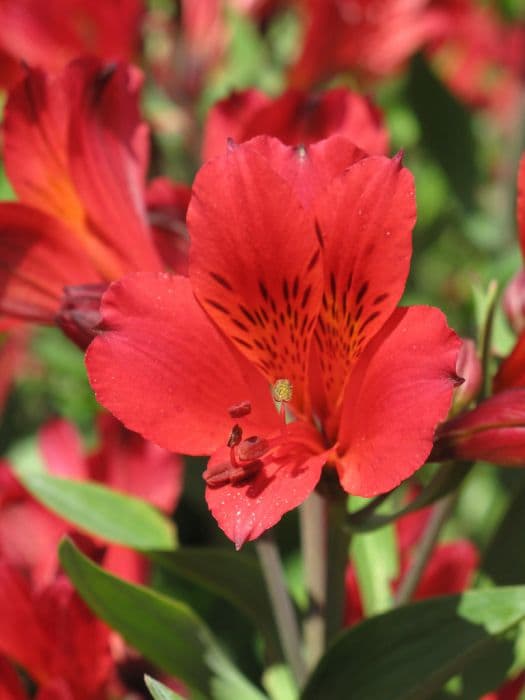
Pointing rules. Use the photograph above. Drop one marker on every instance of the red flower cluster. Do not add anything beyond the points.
(44, 626)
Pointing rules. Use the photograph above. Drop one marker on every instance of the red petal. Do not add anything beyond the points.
(494, 432)
(521, 204)
(399, 390)
(228, 119)
(162, 367)
(128, 463)
(310, 169)
(167, 204)
(254, 263)
(450, 570)
(62, 449)
(78, 647)
(366, 219)
(50, 33)
(11, 687)
(39, 256)
(22, 638)
(247, 510)
(511, 373)
(295, 118)
(108, 157)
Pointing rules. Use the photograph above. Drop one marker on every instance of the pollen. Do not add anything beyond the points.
(282, 390)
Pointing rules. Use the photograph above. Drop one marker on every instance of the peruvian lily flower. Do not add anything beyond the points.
(76, 153)
(298, 260)
(295, 118)
(52, 33)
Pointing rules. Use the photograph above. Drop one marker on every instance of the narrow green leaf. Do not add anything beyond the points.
(101, 511)
(504, 559)
(166, 631)
(231, 575)
(159, 691)
(410, 652)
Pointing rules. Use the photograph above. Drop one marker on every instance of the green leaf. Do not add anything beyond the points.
(166, 631)
(231, 575)
(446, 129)
(410, 652)
(159, 691)
(374, 556)
(504, 559)
(101, 511)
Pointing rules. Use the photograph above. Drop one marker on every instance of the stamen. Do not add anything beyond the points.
(252, 448)
(235, 436)
(239, 410)
(282, 391)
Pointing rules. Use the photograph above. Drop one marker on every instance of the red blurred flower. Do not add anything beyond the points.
(295, 118)
(371, 38)
(44, 626)
(479, 55)
(298, 260)
(510, 690)
(124, 461)
(512, 370)
(50, 34)
(76, 153)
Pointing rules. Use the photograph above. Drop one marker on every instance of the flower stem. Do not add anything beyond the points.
(440, 515)
(338, 547)
(313, 521)
(283, 610)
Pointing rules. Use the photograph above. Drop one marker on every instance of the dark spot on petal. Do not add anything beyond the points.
(224, 283)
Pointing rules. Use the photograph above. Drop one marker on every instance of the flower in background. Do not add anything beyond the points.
(44, 626)
(50, 34)
(299, 258)
(295, 118)
(76, 153)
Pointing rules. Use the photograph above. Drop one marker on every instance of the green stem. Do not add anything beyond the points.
(283, 609)
(338, 549)
(313, 522)
(426, 545)
(485, 340)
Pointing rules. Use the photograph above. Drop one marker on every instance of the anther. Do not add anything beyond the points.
(239, 410)
(235, 436)
(252, 448)
(282, 391)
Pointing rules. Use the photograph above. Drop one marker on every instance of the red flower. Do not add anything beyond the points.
(295, 118)
(298, 260)
(52, 33)
(44, 626)
(123, 461)
(372, 38)
(76, 153)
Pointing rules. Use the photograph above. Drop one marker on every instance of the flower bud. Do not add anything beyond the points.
(79, 313)
(494, 432)
(514, 302)
(468, 367)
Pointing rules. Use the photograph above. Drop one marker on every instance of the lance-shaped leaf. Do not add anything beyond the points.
(231, 575)
(159, 691)
(166, 631)
(102, 512)
(410, 652)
